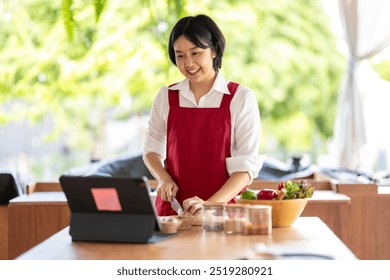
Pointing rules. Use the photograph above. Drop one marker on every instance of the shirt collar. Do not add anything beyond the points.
(220, 84)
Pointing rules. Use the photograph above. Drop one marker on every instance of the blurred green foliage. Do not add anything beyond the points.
(383, 69)
(87, 62)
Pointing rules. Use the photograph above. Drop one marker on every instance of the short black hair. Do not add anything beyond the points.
(203, 32)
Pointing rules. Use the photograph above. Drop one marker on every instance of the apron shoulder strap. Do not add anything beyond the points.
(173, 97)
(227, 98)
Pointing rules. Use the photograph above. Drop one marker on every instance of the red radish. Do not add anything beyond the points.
(267, 194)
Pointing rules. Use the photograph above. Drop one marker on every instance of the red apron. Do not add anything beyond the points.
(198, 142)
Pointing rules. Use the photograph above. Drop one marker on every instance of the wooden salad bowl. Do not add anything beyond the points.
(284, 212)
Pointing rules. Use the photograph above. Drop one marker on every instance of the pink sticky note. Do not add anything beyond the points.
(106, 199)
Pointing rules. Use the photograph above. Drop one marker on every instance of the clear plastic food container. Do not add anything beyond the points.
(258, 220)
(213, 216)
(234, 218)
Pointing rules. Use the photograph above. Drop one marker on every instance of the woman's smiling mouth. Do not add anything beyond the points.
(193, 71)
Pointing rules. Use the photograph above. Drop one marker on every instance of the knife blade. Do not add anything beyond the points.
(176, 206)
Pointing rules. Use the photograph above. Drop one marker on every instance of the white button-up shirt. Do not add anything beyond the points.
(245, 118)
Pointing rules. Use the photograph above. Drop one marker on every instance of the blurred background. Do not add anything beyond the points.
(78, 77)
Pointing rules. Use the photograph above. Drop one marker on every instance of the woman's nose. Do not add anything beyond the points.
(188, 61)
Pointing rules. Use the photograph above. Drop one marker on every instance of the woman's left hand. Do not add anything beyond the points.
(192, 205)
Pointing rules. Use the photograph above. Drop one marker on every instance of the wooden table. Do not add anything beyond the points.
(35, 217)
(3, 232)
(330, 206)
(367, 232)
(306, 235)
(39, 215)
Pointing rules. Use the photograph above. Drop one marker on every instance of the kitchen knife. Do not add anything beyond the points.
(176, 206)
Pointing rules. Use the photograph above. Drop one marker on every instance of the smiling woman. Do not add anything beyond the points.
(190, 159)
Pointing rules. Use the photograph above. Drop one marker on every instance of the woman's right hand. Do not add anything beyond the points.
(166, 189)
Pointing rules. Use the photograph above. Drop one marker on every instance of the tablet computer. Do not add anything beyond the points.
(113, 209)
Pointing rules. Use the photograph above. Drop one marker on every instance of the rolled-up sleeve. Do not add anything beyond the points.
(250, 163)
(245, 155)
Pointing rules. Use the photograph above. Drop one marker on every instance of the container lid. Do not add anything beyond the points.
(232, 205)
(260, 207)
(212, 203)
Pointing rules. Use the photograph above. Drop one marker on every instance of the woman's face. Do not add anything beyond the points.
(193, 62)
